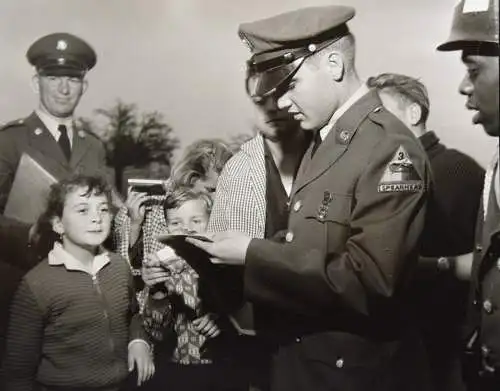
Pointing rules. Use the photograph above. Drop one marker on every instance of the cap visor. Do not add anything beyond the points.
(265, 83)
(61, 71)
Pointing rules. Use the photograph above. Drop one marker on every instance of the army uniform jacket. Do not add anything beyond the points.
(30, 136)
(357, 213)
(482, 330)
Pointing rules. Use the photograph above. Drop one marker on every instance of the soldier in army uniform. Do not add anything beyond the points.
(357, 211)
(49, 135)
(475, 32)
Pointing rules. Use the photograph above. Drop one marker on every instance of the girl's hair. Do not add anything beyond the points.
(198, 159)
(181, 194)
(45, 236)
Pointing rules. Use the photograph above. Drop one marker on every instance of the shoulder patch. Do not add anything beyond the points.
(400, 175)
(17, 122)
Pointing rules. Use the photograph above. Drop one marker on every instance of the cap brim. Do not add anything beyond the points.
(61, 71)
(488, 47)
(266, 83)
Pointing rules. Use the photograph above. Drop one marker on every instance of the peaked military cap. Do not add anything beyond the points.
(280, 44)
(61, 54)
(475, 22)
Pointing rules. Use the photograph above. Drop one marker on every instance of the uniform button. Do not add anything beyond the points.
(488, 306)
(479, 248)
(297, 206)
(297, 340)
(289, 236)
(339, 363)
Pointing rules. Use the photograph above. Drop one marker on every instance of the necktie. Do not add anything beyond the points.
(317, 142)
(64, 141)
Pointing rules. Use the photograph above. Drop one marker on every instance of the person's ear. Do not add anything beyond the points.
(414, 114)
(57, 225)
(336, 65)
(85, 85)
(35, 83)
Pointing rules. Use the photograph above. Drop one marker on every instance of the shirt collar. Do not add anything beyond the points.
(323, 132)
(59, 256)
(52, 123)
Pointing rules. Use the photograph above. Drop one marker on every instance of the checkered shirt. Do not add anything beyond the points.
(240, 198)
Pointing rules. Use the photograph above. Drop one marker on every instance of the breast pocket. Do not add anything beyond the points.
(331, 213)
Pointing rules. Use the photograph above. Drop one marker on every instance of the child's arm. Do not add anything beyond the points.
(24, 341)
(139, 350)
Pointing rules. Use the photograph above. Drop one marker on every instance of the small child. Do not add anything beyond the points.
(74, 323)
(174, 302)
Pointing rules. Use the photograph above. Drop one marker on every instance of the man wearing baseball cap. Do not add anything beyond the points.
(474, 32)
(338, 276)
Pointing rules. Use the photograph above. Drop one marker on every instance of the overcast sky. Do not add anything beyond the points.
(184, 59)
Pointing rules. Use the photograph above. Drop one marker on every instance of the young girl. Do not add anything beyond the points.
(74, 322)
(174, 303)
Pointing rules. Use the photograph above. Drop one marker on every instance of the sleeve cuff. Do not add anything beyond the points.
(138, 340)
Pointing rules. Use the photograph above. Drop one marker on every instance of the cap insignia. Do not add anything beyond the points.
(475, 6)
(61, 45)
(311, 47)
(61, 60)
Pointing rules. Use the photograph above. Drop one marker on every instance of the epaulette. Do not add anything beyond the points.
(380, 115)
(11, 124)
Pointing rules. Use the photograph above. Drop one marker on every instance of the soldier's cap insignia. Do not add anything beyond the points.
(475, 6)
(400, 175)
(61, 45)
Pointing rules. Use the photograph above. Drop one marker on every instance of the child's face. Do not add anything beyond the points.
(85, 221)
(190, 218)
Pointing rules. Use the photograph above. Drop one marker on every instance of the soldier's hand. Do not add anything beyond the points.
(226, 247)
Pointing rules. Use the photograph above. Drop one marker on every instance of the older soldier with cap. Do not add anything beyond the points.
(340, 275)
(474, 32)
(48, 136)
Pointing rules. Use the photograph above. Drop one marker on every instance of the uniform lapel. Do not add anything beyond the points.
(44, 147)
(336, 142)
(79, 148)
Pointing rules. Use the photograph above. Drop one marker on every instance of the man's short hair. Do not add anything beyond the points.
(407, 88)
(346, 45)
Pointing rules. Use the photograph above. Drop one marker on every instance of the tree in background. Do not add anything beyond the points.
(132, 139)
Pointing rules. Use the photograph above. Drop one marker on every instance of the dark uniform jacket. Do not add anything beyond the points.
(482, 331)
(357, 213)
(30, 135)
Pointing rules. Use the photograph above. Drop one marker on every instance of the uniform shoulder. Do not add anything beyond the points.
(388, 122)
(13, 125)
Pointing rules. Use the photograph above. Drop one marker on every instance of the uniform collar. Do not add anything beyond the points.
(52, 123)
(59, 256)
(323, 132)
(428, 139)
